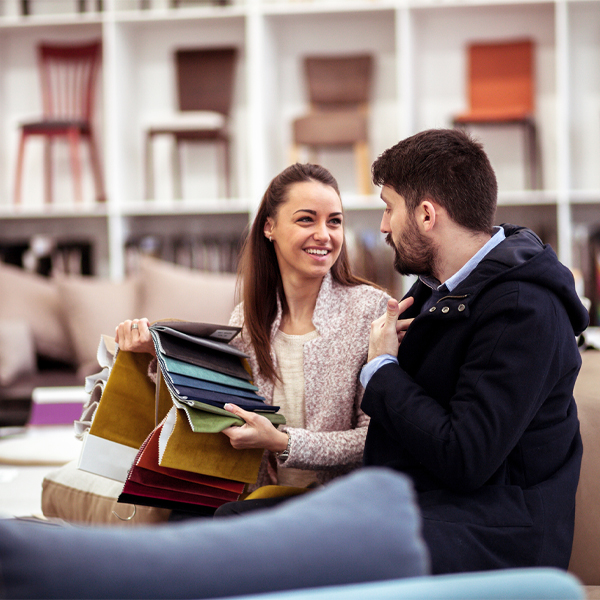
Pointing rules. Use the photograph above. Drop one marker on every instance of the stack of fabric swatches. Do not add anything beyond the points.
(186, 462)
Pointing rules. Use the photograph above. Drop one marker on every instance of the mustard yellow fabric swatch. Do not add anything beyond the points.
(209, 454)
(276, 491)
(126, 412)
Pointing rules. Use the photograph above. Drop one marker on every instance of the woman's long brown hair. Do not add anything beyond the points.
(258, 270)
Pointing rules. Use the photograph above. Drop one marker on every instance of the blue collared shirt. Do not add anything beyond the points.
(438, 291)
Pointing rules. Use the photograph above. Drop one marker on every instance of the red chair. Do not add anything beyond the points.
(501, 90)
(68, 77)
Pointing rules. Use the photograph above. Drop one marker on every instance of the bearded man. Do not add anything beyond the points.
(470, 378)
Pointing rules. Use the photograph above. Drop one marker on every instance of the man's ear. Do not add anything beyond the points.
(268, 228)
(426, 215)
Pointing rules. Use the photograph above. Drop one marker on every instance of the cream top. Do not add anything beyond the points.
(289, 395)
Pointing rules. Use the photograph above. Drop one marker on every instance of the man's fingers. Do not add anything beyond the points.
(392, 310)
(403, 324)
(405, 304)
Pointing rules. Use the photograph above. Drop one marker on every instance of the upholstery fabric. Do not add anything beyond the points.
(147, 460)
(208, 453)
(319, 534)
(126, 413)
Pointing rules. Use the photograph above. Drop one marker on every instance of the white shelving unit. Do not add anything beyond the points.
(420, 55)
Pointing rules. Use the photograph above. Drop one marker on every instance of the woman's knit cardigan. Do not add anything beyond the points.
(335, 428)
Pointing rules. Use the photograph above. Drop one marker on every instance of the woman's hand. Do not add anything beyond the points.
(134, 336)
(256, 432)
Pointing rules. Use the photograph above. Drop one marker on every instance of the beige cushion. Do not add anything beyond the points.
(172, 291)
(585, 558)
(33, 298)
(17, 351)
(80, 497)
(93, 307)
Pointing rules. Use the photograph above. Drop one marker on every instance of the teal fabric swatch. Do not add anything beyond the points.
(174, 365)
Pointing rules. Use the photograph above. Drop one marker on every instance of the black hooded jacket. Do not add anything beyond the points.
(480, 411)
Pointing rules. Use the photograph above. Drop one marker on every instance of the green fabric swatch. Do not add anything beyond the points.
(204, 418)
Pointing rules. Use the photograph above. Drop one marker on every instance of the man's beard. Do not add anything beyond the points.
(414, 254)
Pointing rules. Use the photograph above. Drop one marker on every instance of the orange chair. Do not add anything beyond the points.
(205, 86)
(68, 77)
(339, 91)
(501, 91)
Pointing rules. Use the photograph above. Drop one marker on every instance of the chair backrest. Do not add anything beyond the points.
(68, 77)
(339, 80)
(501, 76)
(205, 79)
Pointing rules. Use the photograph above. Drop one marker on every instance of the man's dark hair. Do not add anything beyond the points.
(447, 166)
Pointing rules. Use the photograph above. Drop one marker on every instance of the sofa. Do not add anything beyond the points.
(50, 327)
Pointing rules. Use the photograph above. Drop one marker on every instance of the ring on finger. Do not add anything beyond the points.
(134, 326)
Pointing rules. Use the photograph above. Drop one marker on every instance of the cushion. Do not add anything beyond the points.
(172, 291)
(585, 557)
(76, 496)
(17, 351)
(341, 533)
(35, 299)
(92, 307)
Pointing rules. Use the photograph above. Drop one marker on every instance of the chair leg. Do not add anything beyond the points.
(227, 166)
(294, 154)
(96, 169)
(176, 158)
(149, 193)
(48, 178)
(361, 154)
(534, 168)
(19, 170)
(75, 153)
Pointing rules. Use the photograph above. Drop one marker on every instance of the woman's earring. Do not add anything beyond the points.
(271, 238)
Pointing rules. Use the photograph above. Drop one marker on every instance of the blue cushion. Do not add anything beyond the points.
(363, 527)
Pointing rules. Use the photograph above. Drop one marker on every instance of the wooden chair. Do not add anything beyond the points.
(68, 77)
(501, 92)
(339, 91)
(205, 85)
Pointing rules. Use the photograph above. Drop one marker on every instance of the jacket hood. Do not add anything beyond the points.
(523, 257)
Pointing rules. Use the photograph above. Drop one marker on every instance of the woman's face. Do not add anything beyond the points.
(307, 231)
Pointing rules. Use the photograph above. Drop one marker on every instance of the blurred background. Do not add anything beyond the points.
(133, 127)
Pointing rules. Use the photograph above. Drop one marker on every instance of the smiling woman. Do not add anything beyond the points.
(305, 322)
